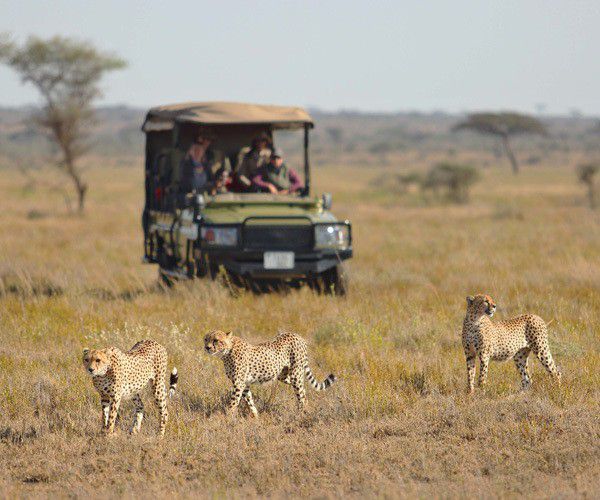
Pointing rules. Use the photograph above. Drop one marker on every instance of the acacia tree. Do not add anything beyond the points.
(587, 174)
(504, 126)
(67, 74)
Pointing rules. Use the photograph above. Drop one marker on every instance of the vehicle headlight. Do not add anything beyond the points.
(332, 236)
(220, 236)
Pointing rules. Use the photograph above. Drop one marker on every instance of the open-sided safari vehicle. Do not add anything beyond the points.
(229, 226)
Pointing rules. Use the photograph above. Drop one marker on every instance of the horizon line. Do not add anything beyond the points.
(573, 114)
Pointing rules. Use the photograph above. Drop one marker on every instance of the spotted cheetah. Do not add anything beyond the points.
(512, 338)
(284, 359)
(117, 375)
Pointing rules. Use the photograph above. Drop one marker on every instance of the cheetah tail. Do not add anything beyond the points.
(173, 382)
(319, 386)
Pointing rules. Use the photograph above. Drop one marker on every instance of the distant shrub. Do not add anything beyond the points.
(35, 214)
(508, 211)
(398, 184)
(587, 174)
(533, 160)
(406, 182)
(335, 134)
(382, 148)
(454, 179)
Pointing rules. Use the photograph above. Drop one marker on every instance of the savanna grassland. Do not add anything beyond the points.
(398, 423)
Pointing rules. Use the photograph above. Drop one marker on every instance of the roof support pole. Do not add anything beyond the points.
(306, 161)
(175, 136)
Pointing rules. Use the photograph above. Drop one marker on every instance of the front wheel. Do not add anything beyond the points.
(164, 279)
(333, 281)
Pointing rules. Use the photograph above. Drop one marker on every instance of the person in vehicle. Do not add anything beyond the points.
(256, 157)
(196, 168)
(276, 177)
(223, 181)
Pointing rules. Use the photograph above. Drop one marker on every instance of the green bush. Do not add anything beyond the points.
(454, 179)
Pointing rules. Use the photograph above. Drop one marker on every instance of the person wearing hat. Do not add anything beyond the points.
(254, 158)
(276, 177)
(197, 166)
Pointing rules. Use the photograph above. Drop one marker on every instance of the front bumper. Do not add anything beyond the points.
(250, 263)
(246, 259)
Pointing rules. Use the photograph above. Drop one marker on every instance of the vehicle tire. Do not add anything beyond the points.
(315, 283)
(164, 279)
(190, 269)
(201, 268)
(335, 281)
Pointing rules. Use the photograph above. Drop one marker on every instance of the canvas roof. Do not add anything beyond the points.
(225, 113)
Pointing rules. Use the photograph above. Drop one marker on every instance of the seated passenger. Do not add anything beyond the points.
(223, 181)
(276, 177)
(256, 157)
(196, 167)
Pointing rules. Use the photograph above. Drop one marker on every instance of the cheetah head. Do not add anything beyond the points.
(218, 343)
(481, 304)
(96, 361)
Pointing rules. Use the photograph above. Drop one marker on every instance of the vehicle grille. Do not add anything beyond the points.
(259, 237)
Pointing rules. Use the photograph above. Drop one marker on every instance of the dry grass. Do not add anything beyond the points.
(398, 423)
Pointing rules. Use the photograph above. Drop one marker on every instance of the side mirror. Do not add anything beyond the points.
(199, 201)
(326, 201)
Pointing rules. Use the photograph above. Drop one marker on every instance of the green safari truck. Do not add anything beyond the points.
(227, 224)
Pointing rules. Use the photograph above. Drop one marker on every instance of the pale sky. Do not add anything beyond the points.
(381, 55)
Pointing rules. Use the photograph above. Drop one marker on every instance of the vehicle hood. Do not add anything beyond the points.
(237, 208)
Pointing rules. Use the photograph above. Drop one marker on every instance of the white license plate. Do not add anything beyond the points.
(278, 260)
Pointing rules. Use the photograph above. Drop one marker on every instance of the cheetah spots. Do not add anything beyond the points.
(128, 373)
(284, 359)
(513, 338)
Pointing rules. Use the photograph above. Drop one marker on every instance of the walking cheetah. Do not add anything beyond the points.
(512, 338)
(117, 375)
(284, 359)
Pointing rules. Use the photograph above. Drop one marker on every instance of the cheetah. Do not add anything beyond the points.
(512, 338)
(117, 375)
(284, 359)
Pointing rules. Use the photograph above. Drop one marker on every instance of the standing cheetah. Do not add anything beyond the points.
(118, 375)
(512, 338)
(284, 359)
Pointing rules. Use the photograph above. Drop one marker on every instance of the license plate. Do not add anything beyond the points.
(278, 260)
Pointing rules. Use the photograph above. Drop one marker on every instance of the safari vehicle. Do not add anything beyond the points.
(256, 240)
